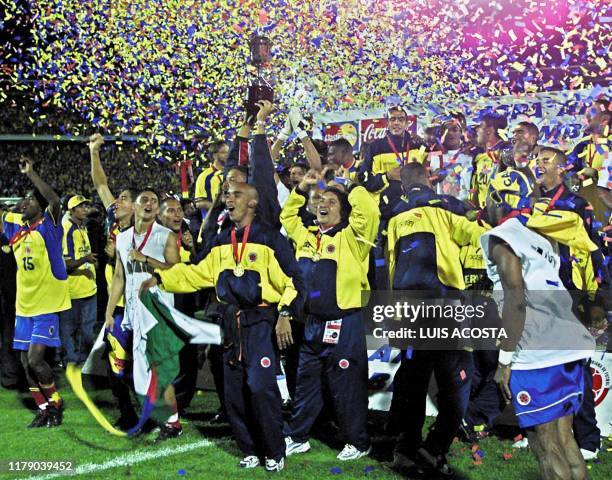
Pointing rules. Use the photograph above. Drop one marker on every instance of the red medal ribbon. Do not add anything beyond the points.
(144, 242)
(179, 240)
(24, 232)
(554, 199)
(400, 160)
(245, 236)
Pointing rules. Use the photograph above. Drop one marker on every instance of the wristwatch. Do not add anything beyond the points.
(157, 277)
(285, 313)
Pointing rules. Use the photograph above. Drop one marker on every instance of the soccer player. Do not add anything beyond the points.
(209, 181)
(253, 269)
(140, 249)
(333, 355)
(35, 237)
(77, 323)
(119, 217)
(487, 164)
(542, 374)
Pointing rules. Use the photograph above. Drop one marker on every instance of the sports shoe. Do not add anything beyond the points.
(220, 417)
(293, 447)
(274, 466)
(167, 431)
(438, 463)
(249, 462)
(56, 415)
(350, 452)
(40, 420)
(588, 454)
(522, 443)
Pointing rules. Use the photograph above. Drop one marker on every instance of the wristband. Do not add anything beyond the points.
(505, 358)
(157, 277)
(282, 136)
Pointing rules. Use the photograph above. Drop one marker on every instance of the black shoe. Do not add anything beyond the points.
(40, 420)
(56, 415)
(438, 463)
(220, 417)
(168, 431)
(125, 422)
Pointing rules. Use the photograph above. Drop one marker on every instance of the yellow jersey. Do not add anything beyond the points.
(208, 183)
(42, 281)
(76, 245)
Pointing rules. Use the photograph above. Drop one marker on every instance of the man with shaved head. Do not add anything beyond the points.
(253, 270)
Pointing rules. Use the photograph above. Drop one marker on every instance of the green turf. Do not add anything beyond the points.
(81, 440)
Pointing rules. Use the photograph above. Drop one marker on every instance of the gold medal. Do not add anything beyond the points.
(316, 257)
(238, 271)
(6, 248)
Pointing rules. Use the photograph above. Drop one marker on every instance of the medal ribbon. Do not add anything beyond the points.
(555, 198)
(24, 232)
(245, 236)
(400, 160)
(144, 242)
(179, 240)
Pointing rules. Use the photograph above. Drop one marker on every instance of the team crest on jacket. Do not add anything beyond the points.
(343, 364)
(331, 248)
(252, 257)
(265, 362)
(523, 398)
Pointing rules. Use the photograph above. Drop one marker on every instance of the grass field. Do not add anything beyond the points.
(208, 452)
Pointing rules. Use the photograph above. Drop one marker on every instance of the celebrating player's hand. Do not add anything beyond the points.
(95, 142)
(146, 285)
(110, 249)
(137, 256)
(502, 378)
(283, 332)
(265, 109)
(109, 320)
(311, 178)
(25, 165)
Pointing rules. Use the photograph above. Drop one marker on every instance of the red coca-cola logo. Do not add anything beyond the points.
(375, 128)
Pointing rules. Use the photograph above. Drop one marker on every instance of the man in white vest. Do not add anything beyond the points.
(541, 360)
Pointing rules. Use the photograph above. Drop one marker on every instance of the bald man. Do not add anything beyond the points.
(253, 270)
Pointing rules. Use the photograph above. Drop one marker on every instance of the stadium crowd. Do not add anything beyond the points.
(279, 258)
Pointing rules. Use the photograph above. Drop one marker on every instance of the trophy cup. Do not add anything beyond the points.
(259, 89)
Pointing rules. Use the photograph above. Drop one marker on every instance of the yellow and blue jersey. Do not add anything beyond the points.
(485, 166)
(42, 281)
(335, 263)
(76, 245)
(380, 159)
(270, 273)
(425, 236)
(208, 183)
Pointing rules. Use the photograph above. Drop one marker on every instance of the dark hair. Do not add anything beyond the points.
(186, 201)
(413, 173)
(342, 144)
(345, 206)
(532, 127)
(241, 168)
(148, 189)
(301, 165)
(133, 191)
(561, 156)
(321, 148)
(216, 146)
(162, 204)
(495, 120)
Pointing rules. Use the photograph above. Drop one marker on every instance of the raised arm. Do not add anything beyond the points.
(364, 218)
(25, 166)
(97, 172)
(290, 214)
(298, 125)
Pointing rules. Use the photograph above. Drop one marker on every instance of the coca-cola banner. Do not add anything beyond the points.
(347, 130)
(371, 129)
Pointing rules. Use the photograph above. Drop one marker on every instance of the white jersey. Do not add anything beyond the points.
(552, 334)
(138, 272)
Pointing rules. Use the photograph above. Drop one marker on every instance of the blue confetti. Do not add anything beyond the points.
(335, 470)
(182, 472)
(380, 262)
(552, 282)
(315, 294)
(368, 469)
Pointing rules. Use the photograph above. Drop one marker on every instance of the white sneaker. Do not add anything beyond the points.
(522, 443)
(588, 455)
(274, 466)
(351, 452)
(293, 447)
(249, 462)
